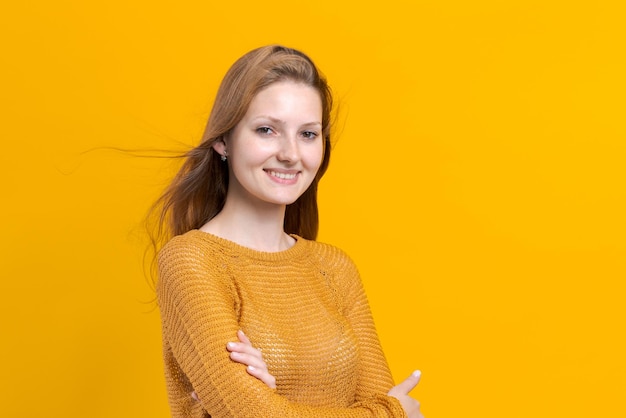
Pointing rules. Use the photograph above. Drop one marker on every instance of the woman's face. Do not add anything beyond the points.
(274, 152)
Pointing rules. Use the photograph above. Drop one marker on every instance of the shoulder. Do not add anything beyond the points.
(193, 245)
(189, 257)
(190, 239)
(330, 257)
(323, 249)
(339, 270)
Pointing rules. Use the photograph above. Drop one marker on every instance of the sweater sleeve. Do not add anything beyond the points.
(374, 374)
(197, 305)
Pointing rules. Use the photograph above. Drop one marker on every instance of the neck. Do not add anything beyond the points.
(259, 227)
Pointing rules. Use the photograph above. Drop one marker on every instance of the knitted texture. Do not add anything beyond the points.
(304, 308)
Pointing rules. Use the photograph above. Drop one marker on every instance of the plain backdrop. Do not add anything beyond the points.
(478, 181)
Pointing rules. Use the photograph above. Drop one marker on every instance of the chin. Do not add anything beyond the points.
(285, 200)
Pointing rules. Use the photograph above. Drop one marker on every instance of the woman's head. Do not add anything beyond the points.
(275, 151)
(198, 191)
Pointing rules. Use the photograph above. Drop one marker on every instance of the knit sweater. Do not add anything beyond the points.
(304, 308)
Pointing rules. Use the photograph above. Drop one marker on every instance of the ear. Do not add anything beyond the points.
(220, 146)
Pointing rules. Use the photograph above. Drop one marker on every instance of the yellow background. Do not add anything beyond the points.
(478, 182)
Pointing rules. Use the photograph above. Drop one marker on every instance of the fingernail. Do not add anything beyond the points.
(417, 374)
(230, 345)
(251, 368)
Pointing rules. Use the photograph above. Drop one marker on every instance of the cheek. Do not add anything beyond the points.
(316, 156)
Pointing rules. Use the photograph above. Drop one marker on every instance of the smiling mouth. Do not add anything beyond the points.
(284, 176)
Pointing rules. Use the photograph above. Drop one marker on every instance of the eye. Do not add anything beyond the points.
(309, 134)
(264, 130)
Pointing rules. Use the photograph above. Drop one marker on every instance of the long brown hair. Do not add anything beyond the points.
(198, 191)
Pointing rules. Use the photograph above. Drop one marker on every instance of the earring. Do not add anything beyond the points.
(223, 158)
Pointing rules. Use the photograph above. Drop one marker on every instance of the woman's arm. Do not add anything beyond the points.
(374, 374)
(197, 305)
(255, 365)
(244, 352)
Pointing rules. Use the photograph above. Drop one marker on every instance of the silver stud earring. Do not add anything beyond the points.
(223, 157)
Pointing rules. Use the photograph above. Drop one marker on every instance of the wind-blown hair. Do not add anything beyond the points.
(198, 191)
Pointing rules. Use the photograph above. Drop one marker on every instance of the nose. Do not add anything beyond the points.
(289, 150)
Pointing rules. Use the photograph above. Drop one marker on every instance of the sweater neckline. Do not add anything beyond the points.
(237, 249)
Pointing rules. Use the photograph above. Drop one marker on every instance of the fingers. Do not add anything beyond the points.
(263, 375)
(246, 354)
(407, 385)
(401, 392)
(243, 352)
(243, 337)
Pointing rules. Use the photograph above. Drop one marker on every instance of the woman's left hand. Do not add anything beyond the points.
(243, 352)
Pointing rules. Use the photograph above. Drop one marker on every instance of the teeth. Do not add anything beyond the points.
(282, 175)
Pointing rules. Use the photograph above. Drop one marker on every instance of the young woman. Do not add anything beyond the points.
(258, 319)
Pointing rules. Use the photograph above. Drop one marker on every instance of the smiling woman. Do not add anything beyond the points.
(258, 318)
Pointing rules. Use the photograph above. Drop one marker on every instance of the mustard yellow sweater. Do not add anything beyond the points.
(305, 308)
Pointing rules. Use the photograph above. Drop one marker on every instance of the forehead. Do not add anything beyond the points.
(288, 97)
